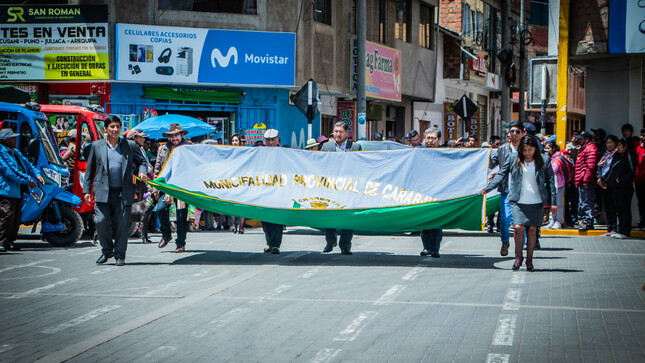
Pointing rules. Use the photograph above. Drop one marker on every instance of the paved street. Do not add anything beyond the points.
(225, 300)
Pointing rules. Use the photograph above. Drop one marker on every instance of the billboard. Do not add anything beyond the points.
(382, 71)
(54, 42)
(204, 56)
(626, 26)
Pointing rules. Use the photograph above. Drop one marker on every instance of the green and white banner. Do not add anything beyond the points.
(379, 191)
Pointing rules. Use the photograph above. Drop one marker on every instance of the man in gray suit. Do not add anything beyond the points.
(340, 144)
(110, 174)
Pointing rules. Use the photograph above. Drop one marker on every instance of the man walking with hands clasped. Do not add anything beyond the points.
(340, 143)
(111, 168)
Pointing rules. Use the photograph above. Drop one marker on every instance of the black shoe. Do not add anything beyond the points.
(328, 248)
(435, 254)
(346, 252)
(267, 249)
(275, 251)
(103, 259)
(504, 251)
(3, 249)
(424, 252)
(14, 248)
(119, 262)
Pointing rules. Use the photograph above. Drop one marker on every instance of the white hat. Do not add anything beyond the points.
(72, 134)
(271, 134)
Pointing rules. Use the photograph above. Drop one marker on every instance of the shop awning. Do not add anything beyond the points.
(192, 95)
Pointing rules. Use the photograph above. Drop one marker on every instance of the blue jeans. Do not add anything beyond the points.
(505, 217)
(586, 204)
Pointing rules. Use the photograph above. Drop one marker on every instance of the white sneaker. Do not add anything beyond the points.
(619, 236)
(556, 225)
(549, 226)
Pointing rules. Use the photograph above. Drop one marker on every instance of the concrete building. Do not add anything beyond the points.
(471, 43)
(323, 31)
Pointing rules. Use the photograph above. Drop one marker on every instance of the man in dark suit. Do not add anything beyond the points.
(340, 143)
(431, 238)
(272, 231)
(110, 174)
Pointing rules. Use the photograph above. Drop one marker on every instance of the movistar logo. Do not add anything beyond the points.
(223, 61)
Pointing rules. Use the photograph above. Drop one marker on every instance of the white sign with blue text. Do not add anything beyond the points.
(204, 56)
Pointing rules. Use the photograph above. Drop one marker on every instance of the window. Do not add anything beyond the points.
(322, 11)
(426, 26)
(212, 6)
(402, 24)
(382, 21)
(351, 19)
(465, 17)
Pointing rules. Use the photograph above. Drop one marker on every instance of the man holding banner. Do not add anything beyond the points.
(176, 138)
(272, 231)
(340, 144)
(431, 238)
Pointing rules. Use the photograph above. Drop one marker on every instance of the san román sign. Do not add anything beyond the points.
(204, 56)
(54, 42)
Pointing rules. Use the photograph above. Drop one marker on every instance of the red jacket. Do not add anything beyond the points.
(586, 164)
(639, 176)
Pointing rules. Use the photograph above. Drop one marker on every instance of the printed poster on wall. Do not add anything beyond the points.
(54, 42)
(346, 111)
(383, 71)
(204, 56)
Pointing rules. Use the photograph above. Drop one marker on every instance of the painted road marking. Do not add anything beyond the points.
(518, 278)
(81, 319)
(356, 326)
(412, 274)
(512, 299)
(41, 289)
(497, 358)
(325, 355)
(232, 314)
(6, 347)
(389, 295)
(309, 273)
(505, 330)
(9, 268)
(162, 349)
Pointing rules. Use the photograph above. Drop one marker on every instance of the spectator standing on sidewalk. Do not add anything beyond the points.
(532, 186)
(15, 170)
(586, 165)
(561, 170)
(619, 183)
(110, 175)
(431, 238)
(603, 169)
(503, 154)
(176, 139)
(639, 179)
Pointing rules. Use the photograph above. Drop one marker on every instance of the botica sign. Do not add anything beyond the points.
(204, 56)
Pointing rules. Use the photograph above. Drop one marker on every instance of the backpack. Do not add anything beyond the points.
(566, 165)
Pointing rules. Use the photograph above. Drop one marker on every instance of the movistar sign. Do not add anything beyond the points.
(248, 58)
(177, 55)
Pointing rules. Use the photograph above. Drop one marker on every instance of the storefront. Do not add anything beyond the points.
(232, 79)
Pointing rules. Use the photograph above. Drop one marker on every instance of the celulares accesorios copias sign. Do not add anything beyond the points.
(204, 56)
